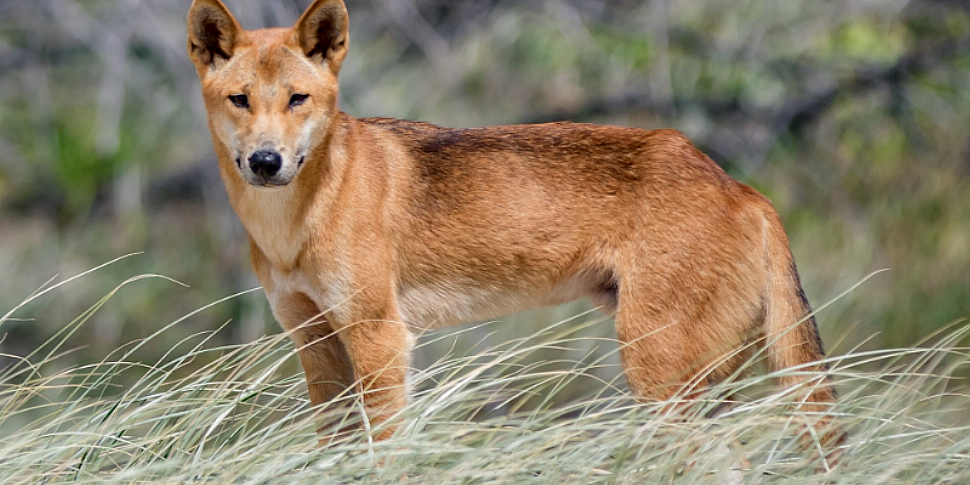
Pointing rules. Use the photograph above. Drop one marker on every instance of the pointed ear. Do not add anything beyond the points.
(322, 32)
(213, 32)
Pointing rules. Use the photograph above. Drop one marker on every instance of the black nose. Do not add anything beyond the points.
(265, 163)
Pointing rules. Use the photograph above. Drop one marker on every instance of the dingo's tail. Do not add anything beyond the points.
(793, 342)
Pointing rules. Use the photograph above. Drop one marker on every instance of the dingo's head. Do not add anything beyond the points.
(270, 94)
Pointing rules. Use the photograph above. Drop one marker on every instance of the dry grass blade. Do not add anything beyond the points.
(488, 417)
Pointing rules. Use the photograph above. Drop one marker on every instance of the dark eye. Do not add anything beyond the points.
(298, 99)
(240, 100)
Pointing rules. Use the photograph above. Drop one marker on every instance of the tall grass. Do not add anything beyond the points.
(234, 414)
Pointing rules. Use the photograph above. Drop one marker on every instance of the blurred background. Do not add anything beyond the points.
(853, 117)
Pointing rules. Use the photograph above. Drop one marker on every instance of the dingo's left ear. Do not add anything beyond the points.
(213, 32)
(322, 32)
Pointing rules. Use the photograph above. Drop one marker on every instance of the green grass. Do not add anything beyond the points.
(207, 413)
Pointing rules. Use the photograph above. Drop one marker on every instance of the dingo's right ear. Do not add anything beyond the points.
(213, 32)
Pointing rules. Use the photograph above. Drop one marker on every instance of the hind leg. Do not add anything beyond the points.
(655, 352)
(674, 338)
(673, 346)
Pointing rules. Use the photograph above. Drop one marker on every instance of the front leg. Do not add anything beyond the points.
(324, 359)
(379, 346)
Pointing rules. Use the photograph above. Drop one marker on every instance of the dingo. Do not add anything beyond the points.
(364, 230)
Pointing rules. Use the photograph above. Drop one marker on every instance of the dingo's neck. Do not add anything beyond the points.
(273, 218)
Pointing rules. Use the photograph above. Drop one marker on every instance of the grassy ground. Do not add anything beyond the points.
(209, 413)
